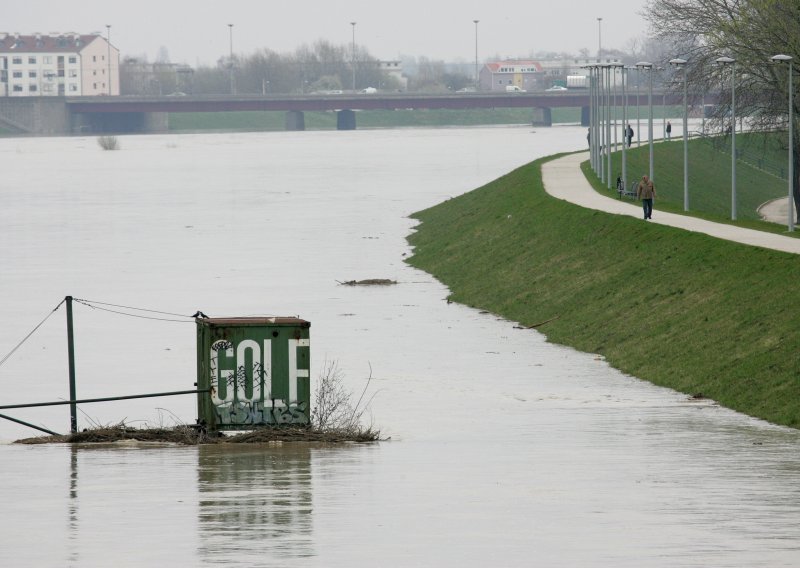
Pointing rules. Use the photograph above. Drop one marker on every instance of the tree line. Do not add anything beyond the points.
(320, 67)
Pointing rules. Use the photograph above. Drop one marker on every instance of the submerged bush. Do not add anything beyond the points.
(108, 142)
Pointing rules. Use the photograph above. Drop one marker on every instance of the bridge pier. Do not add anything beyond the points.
(345, 120)
(585, 116)
(295, 120)
(123, 122)
(542, 117)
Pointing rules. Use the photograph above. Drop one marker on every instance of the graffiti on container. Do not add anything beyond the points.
(243, 395)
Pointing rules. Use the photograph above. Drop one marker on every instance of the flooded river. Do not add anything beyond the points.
(503, 450)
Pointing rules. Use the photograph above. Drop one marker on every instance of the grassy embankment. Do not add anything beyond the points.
(679, 309)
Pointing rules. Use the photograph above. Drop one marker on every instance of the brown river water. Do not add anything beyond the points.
(502, 449)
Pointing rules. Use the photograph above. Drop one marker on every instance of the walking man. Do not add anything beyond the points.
(646, 191)
(669, 130)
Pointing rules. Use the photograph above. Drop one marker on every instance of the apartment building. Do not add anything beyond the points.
(57, 65)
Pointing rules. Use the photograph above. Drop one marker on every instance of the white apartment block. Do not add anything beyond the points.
(57, 65)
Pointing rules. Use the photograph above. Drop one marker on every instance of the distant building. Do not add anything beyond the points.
(394, 69)
(531, 75)
(57, 65)
(522, 73)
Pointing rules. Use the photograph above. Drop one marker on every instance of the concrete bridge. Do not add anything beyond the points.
(64, 115)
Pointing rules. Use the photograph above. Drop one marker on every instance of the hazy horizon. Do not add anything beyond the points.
(200, 36)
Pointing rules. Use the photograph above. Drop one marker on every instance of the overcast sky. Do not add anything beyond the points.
(196, 31)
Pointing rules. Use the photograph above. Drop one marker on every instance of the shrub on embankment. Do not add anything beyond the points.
(679, 309)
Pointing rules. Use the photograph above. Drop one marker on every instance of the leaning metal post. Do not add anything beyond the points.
(73, 408)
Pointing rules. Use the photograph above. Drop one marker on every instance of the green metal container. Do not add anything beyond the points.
(257, 372)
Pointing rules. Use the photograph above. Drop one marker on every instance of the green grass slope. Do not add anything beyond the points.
(679, 309)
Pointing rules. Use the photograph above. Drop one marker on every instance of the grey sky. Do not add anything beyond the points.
(196, 31)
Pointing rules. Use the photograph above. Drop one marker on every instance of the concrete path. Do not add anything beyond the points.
(564, 179)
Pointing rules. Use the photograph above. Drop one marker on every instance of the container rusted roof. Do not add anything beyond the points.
(273, 320)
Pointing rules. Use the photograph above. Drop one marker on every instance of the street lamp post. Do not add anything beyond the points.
(732, 62)
(625, 130)
(608, 69)
(638, 127)
(681, 64)
(354, 54)
(592, 116)
(108, 42)
(649, 67)
(230, 58)
(779, 59)
(476, 55)
(603, 118)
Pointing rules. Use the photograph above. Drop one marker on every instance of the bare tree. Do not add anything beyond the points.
(749, 31)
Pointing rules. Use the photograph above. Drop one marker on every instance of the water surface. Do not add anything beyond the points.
(504, 449)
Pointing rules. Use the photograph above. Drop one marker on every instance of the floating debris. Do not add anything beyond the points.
(191, 436)
(369, 282)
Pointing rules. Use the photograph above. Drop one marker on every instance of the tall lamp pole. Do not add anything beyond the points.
(681, 64)
(608, 70)
(108, 42)
(732, 62)
(353, 24)
(649, 67)
(230, 57)
(599, 37)
(476, 53)
(625, 130)
(779, 59)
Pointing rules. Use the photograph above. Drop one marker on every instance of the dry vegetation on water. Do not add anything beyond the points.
(335, 418)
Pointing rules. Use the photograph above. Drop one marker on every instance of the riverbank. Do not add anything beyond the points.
(682, 310)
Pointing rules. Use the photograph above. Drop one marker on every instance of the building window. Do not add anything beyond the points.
(47, 88)
(73, 72)
(32, 88)
(94, 58)
(73, 87)
(17, 88)
(73, 59)
(47, 59)
(94, 86)
(32, 60)
(94, 72)
(17, 74)
(32, 74)
(16, 60)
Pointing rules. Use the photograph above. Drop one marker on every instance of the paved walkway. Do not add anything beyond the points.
(564, 179)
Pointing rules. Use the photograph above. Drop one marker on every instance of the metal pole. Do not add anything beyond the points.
(791, 153)
(614, 104)
(681, 64)
(608, 127)
(650, 121)
(603, 118)
(625, 137)
(477, 79)
(638, 126)
(108, 42)
(685, 140)
(599, 37)
(733, 141)
(103, 399)
(29, 425)
(354, 54)
(73, 408)
(230, 58)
